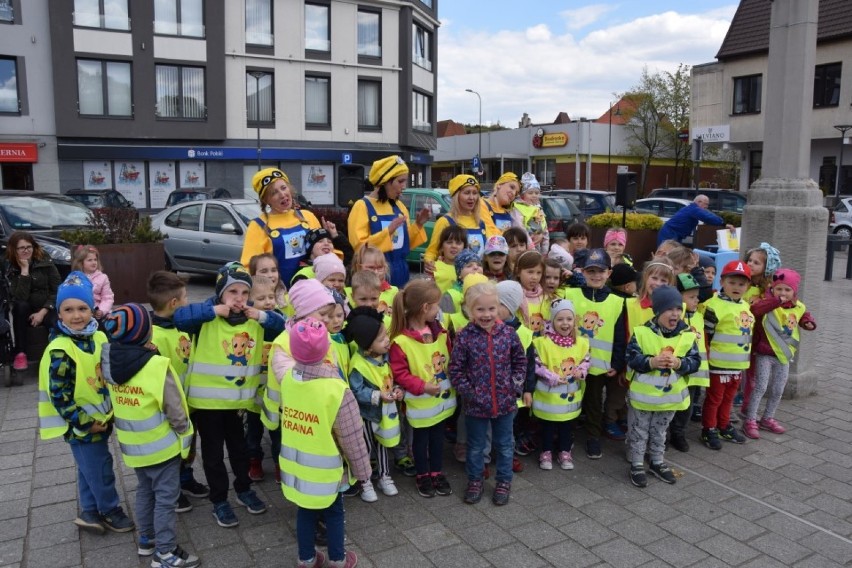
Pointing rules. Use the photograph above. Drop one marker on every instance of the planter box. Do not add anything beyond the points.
(705, 235)
(129, 266)
(641, 243)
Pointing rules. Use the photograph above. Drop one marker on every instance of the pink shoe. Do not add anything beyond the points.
(750, 429)
(545, 460)
(20, 363)
(565, 460)
(772, 425)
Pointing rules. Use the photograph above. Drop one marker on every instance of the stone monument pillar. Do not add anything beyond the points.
(785, 207)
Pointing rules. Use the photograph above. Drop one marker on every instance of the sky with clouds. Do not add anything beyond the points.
(546, 56)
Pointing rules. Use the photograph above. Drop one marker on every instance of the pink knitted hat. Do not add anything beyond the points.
(615, 235)
(789, 277)
(327, 264)
(308, 296)
(309, 341)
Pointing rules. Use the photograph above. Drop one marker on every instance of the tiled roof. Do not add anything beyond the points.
(749, 31)
(450, 128)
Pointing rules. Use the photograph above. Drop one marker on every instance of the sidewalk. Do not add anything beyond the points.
(779, 501)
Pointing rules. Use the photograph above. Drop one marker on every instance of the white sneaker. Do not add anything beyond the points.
(387, 486)
(368, 493)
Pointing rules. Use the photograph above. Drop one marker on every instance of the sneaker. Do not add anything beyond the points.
(353, 491)
(387, 486)
(425, 486)
(678, 442)
(255, 472)
(545, 460)
(730, 434)
(251, 502)
(501, 493)
(195, 489)
(406, 466)
(613, 431)
(697, 414)
(90, 521)
(146, 546)
(750, 429)
(524, 446)
(565, 460)
(738, 399)
(176, 558)
(517, 465)
(663, 472)
(637, 475)
(183, 504)
(20, 362)
(710, 437)
(441, 485)
(225, 516)
(350, 560)
(317, 561)
(473, 493)
(771, 425)
(368, 492)
(593, 449)
(117, 521)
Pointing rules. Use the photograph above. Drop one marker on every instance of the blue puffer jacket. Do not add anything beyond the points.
(488, 369)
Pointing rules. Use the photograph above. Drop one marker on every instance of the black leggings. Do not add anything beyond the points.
(21, 312)
(428, 448)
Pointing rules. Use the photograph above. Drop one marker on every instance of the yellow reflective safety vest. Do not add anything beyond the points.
(636, 315)
(531, 213)
(596, 323)
(536, 315)
(90, 393)
(445, 275)
(659, 390)
(380, 377)
(561, 402)
(526, 337)
(310, 462)
(225, 366)
(782, 331)
(700, 378)
(262, 378)
(342, 353)
(730, 347)
(144, 434)
(176, 345)
(429, 361)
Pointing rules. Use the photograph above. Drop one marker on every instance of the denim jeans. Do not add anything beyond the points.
(502, 440)
(95, 478)
(157, 493)
(306, 525)
(254, 438)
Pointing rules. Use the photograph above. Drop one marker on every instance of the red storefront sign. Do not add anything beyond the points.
(11, 152)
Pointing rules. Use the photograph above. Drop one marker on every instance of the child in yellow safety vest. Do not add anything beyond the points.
(146, 390)
(661, 353)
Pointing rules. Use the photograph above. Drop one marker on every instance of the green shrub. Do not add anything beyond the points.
(114, 226)
(734, 219)
(634, 221)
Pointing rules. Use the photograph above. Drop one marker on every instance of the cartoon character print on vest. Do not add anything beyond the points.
(238, 351)
(667, 350)
(264, 359)
(184, 349)
(745, 321)
(97, 382)
(568, 371)
(589, 324)
(387, 388)
(438, 371)
(537, 324)
(383, 308)
(790, 326)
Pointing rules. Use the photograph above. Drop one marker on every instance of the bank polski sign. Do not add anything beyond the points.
(720, 133)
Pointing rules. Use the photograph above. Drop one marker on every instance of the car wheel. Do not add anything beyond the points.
(843, 232)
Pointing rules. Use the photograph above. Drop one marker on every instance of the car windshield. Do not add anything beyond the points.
(556, 208)
(35, 214)
(247, 211)
(610, 202)
(90, 200)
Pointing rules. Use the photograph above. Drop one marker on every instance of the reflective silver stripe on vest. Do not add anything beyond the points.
(271, 416)
(140, 425)
(423, 413)
(444, 385)
(388, 434)
(654, 380)
(542, 387)
(224, 370)
(700, 374)
(210, 393)
(600, 344)
(90, 409)
(310, 460)
(735, 339)
(186, 442)
(596, 363)
(273, 395)
(732, 357)
(783, 340)
(309, 487)
(673, 398)
(46, 422)
(149, 448)
(556, 408)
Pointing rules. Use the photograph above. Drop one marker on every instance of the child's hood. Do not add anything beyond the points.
(120, 363)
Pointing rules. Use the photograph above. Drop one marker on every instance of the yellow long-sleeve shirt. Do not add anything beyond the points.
(465, 221)
(358, 226)
(257, 240)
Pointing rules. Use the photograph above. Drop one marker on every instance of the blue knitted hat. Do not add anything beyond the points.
(129, 324)
(466, 256)
(76, 286)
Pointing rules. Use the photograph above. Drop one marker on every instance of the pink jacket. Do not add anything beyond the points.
(102, 291)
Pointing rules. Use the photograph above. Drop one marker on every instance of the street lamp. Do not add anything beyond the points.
(609, 145)
(258, 75)
(842, 128)
(479, 155)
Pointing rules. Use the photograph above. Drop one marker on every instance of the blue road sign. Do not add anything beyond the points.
(475, 164)
(347, 158)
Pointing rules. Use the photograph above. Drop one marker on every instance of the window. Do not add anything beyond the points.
(369, 104)
(747, 94)
(369, 33)
(186, 218)
(260, 98)
(106, 14)
(317, 101)
(9, 97)
(103, 88)
(422, 112)
(827, 85)
(179, 17)
(318, 27)
(259, 22)
(422, 47)
(180, 92)
(215, 219)
(7, 11)
(426, 3)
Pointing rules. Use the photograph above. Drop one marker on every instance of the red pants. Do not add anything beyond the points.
(718, 400)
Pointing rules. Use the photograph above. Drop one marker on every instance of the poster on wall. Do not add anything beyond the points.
(162, 182)
(318, 183)
(192, 174)
(97, 175)
(130, 181)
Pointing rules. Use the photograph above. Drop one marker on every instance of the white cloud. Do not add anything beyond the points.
(542, 73)
(585, 16)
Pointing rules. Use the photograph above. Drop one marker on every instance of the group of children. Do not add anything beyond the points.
(514, 347)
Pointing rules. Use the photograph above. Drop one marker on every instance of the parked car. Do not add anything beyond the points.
(662, 207)
(560, 212)
(196, 194)
(204, 235)
(841, 218)
(589, 202)
(45, 216)
(720, 199)
(415, 199)
(100, 199)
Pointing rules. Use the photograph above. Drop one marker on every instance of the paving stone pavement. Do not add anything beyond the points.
(781, 501)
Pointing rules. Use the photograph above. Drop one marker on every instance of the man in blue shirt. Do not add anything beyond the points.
(686, 220)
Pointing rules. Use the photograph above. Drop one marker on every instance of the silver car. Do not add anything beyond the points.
(841, 218)
(204, 235)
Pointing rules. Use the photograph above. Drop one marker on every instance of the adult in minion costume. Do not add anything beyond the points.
(500, 204)
(280, 229)
(381, 220)
(466, 212)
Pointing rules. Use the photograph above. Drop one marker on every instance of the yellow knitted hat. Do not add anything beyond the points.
(460, 181)
(473, 280)
(508, 176)
(262, 179)
(386, 169)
